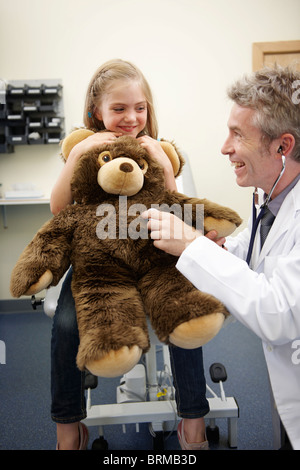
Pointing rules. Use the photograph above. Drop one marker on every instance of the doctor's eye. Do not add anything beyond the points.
(104, 157)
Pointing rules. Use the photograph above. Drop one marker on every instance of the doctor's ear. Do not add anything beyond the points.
(287, 143)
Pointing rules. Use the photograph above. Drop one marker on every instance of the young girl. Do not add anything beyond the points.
(118, 102)
(119, 96)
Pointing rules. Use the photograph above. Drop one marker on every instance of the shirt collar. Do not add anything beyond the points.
(275, 204)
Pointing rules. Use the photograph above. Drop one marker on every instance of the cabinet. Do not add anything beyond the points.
(31, 113)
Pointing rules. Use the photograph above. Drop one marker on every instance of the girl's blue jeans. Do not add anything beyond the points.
(67, 381)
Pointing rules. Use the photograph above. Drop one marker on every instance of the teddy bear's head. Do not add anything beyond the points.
(121, 168)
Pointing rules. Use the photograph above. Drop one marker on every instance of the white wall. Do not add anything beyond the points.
(189, 50)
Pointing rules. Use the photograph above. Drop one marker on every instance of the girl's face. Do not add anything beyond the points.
(123, 108)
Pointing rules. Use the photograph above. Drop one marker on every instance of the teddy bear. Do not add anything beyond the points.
(119, 277)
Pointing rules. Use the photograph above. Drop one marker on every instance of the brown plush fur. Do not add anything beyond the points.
(117, 282)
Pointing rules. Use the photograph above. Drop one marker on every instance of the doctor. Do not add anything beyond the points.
(263, 144)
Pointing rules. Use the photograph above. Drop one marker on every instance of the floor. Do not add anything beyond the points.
(25, 390)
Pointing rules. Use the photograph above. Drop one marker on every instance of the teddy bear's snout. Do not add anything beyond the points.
(126, 167)
(121, 176)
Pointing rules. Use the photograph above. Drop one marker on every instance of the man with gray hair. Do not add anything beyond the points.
(257, 274)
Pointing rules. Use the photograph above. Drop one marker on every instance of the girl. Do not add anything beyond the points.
(118, 102)
(119, 96)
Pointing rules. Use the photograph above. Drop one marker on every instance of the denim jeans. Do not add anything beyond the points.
(189, 382)
(67, 382)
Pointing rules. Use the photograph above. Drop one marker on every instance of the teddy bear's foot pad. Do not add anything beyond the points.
(115, 363)
(197, 332)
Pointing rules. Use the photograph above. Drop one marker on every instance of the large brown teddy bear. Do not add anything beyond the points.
(119, 277)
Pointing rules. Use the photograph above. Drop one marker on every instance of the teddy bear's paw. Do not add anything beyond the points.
(43, 282)
(115, 363)
(197, 332)
(223, 227)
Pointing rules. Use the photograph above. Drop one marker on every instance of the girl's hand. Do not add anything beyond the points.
(155, 150)
(61, 194)
(99, 138)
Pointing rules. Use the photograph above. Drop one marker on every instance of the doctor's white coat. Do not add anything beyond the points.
(265, 298)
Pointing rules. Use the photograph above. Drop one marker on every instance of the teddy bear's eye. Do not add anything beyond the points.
(104, 157)
(143, 165)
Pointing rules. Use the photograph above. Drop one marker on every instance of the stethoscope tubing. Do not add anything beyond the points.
(256, 219)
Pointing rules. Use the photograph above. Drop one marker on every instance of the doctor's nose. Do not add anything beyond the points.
(227, 148)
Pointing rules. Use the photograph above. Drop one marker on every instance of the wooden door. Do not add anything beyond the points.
(283, 53)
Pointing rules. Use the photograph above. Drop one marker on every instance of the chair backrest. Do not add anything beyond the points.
(185, 181)
(51, 298)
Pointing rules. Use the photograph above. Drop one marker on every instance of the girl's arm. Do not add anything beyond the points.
(61, 194)
(154, 148)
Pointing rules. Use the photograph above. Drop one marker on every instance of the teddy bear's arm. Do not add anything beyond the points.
(216, 217)
(44, 260)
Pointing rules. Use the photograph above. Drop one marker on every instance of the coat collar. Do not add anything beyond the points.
(288, 211)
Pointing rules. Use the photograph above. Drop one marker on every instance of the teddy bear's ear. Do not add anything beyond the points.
(72, 139)
(175, 157)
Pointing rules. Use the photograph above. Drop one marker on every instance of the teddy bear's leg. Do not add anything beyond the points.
(180, 314)
(112, 328)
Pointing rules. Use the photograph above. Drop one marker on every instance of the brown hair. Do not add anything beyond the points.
(116, 70)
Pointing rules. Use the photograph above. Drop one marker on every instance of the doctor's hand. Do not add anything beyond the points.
(213, 236)
(169, 233)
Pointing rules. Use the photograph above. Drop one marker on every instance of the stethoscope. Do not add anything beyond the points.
(256, 219)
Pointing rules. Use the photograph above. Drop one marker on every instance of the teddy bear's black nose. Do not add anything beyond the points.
(126, 167)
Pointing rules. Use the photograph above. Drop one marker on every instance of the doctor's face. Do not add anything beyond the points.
(253, 164)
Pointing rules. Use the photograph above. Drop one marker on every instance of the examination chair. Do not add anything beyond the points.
(146, 393)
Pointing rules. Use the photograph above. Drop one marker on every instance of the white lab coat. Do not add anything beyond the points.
(265, 298)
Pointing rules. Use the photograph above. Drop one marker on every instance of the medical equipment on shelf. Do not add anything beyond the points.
(146, 394)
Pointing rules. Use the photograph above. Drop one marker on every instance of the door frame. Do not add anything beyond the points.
(260, 49)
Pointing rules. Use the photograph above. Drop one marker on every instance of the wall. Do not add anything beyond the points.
(189, 50)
